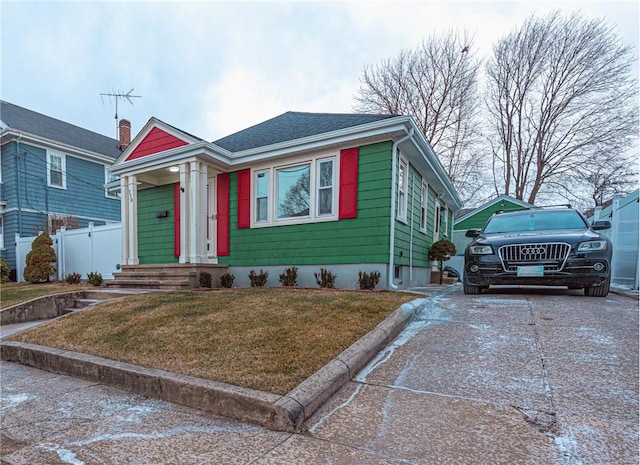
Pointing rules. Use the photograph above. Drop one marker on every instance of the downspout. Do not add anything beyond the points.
(18, 183)
(392, 227)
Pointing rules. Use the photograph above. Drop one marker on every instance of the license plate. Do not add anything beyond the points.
(530, 271)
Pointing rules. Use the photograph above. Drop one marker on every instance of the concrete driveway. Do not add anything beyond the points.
(532, 376)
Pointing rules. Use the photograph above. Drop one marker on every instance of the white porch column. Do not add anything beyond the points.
(185, 217)
(129, 208)
(198, 213)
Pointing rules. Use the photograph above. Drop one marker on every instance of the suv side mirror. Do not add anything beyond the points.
(601, 225)
(472, 233)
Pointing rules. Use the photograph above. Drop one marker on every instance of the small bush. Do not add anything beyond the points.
(95, 279)
(39, 262)
(326, 279)
(290, 276)
(74, 278)
(258, 280)
(368, 280)
(5, 271)
(226, 280)
(204, 279)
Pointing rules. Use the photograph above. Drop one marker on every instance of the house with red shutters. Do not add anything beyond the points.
(344, 192)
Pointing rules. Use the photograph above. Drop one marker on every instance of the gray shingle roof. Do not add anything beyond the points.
(293, 125)
(21, 119)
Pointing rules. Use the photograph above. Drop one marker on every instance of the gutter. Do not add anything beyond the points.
(392, 227)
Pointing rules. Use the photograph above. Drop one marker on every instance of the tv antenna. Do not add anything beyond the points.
(117, 96)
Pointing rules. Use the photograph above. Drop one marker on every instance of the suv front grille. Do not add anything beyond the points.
(551, 255)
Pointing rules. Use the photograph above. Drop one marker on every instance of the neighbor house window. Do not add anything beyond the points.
(56, 175)
(424, 201)
(403, 176)
(445, 213)
(1, 232)
(325, 187)
(293, 191)
(109, 178)
(262, 197)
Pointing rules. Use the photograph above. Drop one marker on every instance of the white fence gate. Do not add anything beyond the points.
(92, 249)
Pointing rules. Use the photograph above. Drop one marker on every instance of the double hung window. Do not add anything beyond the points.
(403, 176)
(296, 193)
(56, 170)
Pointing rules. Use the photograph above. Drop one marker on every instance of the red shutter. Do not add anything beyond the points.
(176, 219)
(348, 203)
(222, 204)
(244, 198)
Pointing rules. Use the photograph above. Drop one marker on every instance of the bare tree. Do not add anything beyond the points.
(436, 84)
(563, 108)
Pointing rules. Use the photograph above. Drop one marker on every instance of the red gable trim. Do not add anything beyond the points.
(244, 198)
(348, 202)
(176, 219)
(222, 204)
(156, 141)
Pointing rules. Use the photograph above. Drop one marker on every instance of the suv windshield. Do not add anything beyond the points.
(535, 221)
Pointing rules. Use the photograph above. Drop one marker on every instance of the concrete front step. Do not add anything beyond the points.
(165, 276)
(147, 284)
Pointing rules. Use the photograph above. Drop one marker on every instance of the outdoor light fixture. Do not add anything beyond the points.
(174, 169)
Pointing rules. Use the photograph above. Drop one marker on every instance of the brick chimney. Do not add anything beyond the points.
(124, 128)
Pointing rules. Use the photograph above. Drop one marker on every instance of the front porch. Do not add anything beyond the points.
(176, 276)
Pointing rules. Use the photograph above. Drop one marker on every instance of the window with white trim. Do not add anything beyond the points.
(1, 232)
(436, 222)
(262, 196)
(295, 193)
(445, 212)
(109, 178)
(403, 182)
(56, 170)
(424, 202)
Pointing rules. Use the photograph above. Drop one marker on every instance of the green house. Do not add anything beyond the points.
(345, 192)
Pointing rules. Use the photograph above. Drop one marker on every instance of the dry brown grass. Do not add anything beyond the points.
(14, 293)
(265, 339)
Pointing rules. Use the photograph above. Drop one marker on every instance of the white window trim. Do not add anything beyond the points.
(436, 220)
(254, 197)
(424, 205)
(2, 232)
(63, 167)
(403, 185)
(313, 216)
(107, 180)
(445, 211)
(319, 161)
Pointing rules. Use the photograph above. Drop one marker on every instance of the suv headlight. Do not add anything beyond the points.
(592, 246)
(480, 250)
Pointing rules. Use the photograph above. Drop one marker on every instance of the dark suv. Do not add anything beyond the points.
(549, 247)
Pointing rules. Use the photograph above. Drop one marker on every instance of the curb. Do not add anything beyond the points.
(280, 413)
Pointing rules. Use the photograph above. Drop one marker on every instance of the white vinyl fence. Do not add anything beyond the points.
(92, 249)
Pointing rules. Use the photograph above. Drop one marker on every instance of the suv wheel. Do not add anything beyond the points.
(598, 291)
(470, 289)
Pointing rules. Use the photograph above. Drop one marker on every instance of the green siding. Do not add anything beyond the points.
(363, 239)
(478, 219)
(155, 235)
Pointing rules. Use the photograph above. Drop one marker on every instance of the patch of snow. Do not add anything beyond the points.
(13, 400)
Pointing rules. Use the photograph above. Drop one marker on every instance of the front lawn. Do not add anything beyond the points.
(14, 293)
(264, 339)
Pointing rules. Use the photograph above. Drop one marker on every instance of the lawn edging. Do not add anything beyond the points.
(281, 413)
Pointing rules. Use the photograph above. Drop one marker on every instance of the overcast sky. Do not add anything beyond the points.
(213, 68)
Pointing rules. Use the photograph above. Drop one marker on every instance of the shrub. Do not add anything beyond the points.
(258, 280)
(205, 279)
(326, 279)
(39, 262)
(74, 278)
(290, 276)
(5, 271)
(441, 251)
(226, 280)
(95, 279)
(368, 280)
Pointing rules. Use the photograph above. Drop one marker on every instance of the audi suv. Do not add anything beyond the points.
(549, 247)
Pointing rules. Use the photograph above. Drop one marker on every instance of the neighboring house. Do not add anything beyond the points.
(52, 173)
(341, 191)
(622, 212)
(475, 219)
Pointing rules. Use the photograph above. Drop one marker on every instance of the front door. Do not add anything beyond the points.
(211, 221)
